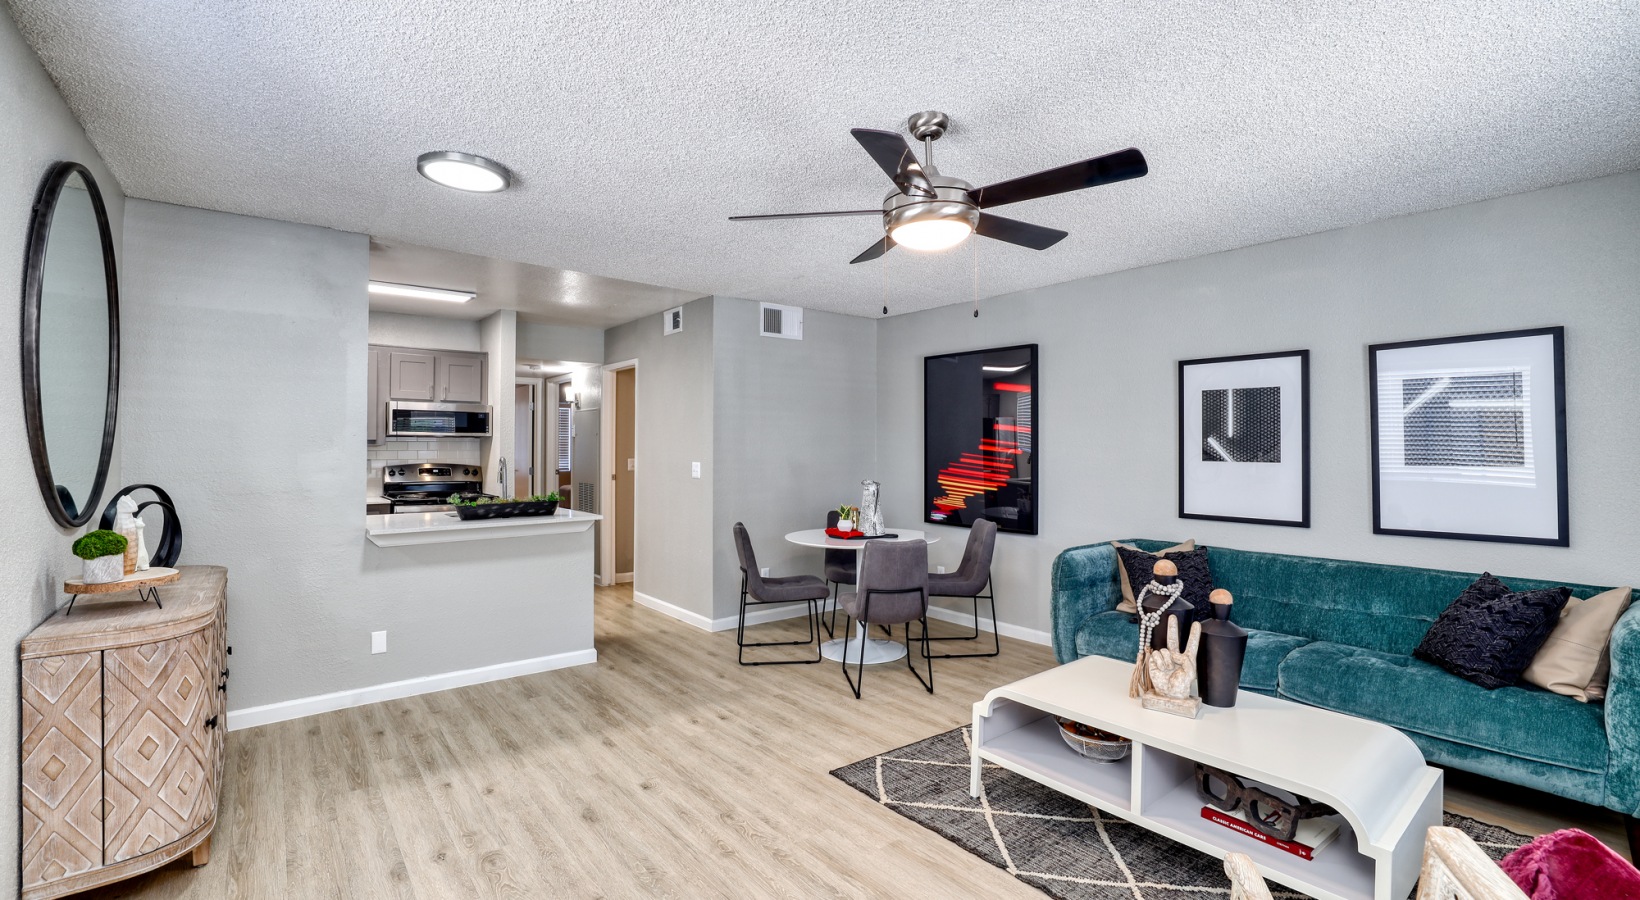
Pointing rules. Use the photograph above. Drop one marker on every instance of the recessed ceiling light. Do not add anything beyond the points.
(413, 292)
(464, 171)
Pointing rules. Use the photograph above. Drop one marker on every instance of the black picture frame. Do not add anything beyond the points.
(1557, 337)
(1303, 518)
(67, 511)
(952, 415)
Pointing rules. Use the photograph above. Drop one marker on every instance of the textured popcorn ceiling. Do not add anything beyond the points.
(636, 128)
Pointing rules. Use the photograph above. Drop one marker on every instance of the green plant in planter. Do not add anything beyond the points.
(852, 513)
(484, 501)
(98, 544)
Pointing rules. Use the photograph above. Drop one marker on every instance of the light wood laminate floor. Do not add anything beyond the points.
(665, 770)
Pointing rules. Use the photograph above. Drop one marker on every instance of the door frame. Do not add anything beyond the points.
(537, 451)
(606, 459)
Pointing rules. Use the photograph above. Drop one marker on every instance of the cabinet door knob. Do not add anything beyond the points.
(211, 722)
(224, 673)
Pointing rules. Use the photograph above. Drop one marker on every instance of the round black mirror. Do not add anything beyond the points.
(71, 343)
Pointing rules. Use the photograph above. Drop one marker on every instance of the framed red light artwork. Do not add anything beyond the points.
(981, 438)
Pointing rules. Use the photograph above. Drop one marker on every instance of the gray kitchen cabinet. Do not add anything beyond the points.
(412, 375)
(461, 377)
(375, 408)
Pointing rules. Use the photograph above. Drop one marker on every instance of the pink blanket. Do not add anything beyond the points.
(1572, 865)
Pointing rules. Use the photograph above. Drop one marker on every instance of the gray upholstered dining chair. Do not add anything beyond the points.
(757, 590)
(841, 569)
(892, 589)
(971, 580)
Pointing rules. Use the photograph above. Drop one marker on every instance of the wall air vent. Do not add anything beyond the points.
(672, 320)
(781, 321)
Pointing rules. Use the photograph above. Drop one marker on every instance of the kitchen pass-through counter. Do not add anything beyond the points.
(401, 529)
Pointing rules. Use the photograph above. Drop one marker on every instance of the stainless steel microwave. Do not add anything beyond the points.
(417, 419)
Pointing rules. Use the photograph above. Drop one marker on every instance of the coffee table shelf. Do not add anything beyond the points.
(1372, 774)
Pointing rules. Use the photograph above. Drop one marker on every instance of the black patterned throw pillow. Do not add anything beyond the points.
(1193, 571)
(1490, 633)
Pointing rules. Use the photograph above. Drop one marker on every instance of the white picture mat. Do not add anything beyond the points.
(1239, 489)
(1474, 501)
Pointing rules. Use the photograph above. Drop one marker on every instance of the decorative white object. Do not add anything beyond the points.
(103, 569)
(1372, 774)
(845, 524)
(871, 514)
(125, 525)
(142, 546)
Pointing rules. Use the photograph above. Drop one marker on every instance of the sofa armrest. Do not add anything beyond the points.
(1084, 584)
(1623, 716)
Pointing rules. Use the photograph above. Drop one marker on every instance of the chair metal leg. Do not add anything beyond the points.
(831, 620)
(1632, 824)
(996, 639)
(740, 636)
(929, 684)
(855, 684)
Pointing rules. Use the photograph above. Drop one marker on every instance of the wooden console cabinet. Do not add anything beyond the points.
(123, 727)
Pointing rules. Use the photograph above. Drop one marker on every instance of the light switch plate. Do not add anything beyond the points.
(378, 642)
(694, 470)
(631, 465)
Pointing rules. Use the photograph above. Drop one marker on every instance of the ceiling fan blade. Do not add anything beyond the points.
(1016, 232)
(893, 154)
(874, 251)
(1112, 167)
(813, 215)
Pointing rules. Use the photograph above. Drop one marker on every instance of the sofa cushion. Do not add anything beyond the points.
(1489, 633)
(1194, 572)
(1415, 696)
(1111, 634)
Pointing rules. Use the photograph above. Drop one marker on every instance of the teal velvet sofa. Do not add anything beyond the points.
(1339, 635)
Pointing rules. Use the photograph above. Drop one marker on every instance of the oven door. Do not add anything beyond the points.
(436, 420)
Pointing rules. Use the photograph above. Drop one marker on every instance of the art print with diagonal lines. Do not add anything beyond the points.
(1060, 846)
(1241, 425)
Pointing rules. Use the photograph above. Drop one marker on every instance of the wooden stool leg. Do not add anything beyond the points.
(202, 853)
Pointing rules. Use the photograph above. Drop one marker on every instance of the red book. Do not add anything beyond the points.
(1239, 825)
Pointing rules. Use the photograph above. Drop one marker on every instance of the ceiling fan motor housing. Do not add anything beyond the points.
(950, 202)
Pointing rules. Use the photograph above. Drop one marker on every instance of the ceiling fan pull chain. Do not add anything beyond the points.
(973, 247)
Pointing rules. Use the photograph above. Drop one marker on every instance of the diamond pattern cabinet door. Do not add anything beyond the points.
(62, 766)
(157, 743)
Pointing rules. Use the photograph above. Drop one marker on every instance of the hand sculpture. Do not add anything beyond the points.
(1173, 671)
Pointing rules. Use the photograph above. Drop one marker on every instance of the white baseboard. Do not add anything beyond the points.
(753, 617)
(623, 577)
(410, 687)
(961, 617)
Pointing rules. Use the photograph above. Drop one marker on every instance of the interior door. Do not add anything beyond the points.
(411, 376)
(461, 378)
(524, 440)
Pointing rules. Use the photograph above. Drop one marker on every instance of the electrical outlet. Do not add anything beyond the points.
(940, 569)
(694, 470)
(378, 642)
(764, 571)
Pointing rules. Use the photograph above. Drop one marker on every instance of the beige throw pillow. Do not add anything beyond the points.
(1570, 659)
(1127, 604)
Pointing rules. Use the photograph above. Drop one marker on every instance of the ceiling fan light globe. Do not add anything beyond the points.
(931, 235)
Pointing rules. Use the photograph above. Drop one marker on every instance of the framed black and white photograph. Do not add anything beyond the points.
(1244, 438)
(1469, 437)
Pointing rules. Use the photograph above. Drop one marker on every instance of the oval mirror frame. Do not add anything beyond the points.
(45, 206)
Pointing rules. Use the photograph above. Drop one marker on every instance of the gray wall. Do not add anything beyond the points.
(432, 332)
(247, 343)
(40, 131)
(795, 431)
(567, 343)
(674, 563)
(1561, 256)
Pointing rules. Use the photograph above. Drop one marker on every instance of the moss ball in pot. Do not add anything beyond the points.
(102, 555)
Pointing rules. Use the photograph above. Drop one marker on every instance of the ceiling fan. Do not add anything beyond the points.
(930, 211)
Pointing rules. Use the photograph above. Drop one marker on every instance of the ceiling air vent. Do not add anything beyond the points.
(672, 320)
(781, 321)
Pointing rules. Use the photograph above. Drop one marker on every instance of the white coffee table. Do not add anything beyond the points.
(876, 650)
(1372, 774)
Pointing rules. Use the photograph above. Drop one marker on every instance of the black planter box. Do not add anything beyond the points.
(508, 510)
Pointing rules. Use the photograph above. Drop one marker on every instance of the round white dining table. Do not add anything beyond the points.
(848, 650)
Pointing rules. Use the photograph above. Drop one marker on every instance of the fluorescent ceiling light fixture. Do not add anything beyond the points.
(931, 234)
(464, 171)
(413, 292)
(1006, 370)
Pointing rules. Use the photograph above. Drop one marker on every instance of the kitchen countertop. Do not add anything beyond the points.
(401, 529)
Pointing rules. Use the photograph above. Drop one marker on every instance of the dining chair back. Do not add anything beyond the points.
(756, 588)
(892, 590)
(972, 580)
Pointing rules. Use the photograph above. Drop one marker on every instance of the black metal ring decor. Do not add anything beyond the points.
(170, 539)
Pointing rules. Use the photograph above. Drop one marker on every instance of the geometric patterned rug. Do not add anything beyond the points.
(1062, 847)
